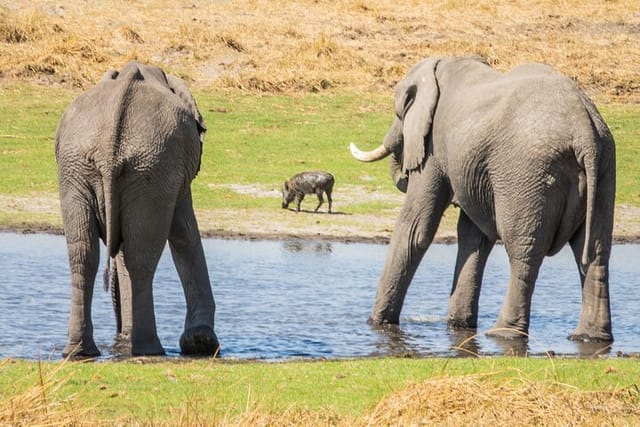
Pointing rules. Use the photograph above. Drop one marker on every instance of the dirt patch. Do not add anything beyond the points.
(41, 213)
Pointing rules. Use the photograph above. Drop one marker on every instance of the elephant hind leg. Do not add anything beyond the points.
(145, 227)
(513, 321)
(82, 235)
(595, 315)
(198, 337)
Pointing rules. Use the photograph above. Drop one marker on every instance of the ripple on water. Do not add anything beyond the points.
(305, 299)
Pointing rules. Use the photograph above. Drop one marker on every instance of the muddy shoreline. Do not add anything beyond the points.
(443, 237)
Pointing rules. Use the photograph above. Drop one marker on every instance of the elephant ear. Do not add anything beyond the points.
(416, 100)
(110, 75)
(178, 86)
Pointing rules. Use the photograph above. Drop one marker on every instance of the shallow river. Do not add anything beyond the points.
(305, 299)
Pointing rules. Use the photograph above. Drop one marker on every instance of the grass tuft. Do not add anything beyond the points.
(471, 400)
(38, 402)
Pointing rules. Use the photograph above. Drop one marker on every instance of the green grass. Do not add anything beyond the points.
(214, 389)
(624, 122)
(266, 140)
(28, 119)
(259, 140)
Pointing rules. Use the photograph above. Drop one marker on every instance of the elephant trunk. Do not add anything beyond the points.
(400, 178)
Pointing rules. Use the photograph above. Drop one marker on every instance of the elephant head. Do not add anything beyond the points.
(416, 99)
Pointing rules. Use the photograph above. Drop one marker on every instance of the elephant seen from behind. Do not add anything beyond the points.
(529, 161)
(127, 150)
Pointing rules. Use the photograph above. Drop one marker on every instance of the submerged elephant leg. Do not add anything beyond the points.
(473, 250)
(513, 321)
(428, 196)
(81, 231)
(142, 246)
(198, 337)
(595, 315)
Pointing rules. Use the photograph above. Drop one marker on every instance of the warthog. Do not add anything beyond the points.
(307, 183)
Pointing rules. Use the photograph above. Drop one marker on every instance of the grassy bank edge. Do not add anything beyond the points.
(149, 391)
(254, 142)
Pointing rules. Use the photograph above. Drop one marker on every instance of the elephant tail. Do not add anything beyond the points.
(590, 163)
(115, 297)
(112, 226)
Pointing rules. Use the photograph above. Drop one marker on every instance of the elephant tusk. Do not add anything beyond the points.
(369, 156)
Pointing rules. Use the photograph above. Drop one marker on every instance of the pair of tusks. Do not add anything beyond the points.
(369, 156)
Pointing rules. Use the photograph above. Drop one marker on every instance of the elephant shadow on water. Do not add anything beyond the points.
(127, 150)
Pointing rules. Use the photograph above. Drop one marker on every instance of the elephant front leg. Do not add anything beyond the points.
(473, 251)
(198, 337)
(427, 198)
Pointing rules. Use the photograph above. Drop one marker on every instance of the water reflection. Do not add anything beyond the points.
(464, 342)
(272, 304)
(307, 246)
(393, 340)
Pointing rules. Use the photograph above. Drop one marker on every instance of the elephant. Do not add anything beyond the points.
(127, 150)
(528, 160)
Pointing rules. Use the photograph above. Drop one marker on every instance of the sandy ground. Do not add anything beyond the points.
(42, 214)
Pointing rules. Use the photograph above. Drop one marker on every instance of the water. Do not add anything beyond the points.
(305, 299)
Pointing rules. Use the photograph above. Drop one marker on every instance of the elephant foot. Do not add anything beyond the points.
(199, 341)
(582, 336)
(462, 323)
(124, 346)
(81, 350)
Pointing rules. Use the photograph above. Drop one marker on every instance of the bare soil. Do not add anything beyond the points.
(42, 214)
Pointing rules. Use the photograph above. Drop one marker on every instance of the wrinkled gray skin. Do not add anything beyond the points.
(530, 162)
(307, 183)
(127, 151)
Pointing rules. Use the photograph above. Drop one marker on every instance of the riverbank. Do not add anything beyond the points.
(40, 214)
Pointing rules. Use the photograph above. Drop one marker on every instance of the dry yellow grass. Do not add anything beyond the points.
(473, 401)
(469, 400)
(36, 407)
(312, 45)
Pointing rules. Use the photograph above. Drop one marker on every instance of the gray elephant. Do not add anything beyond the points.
(127, 151)
(529, 161)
